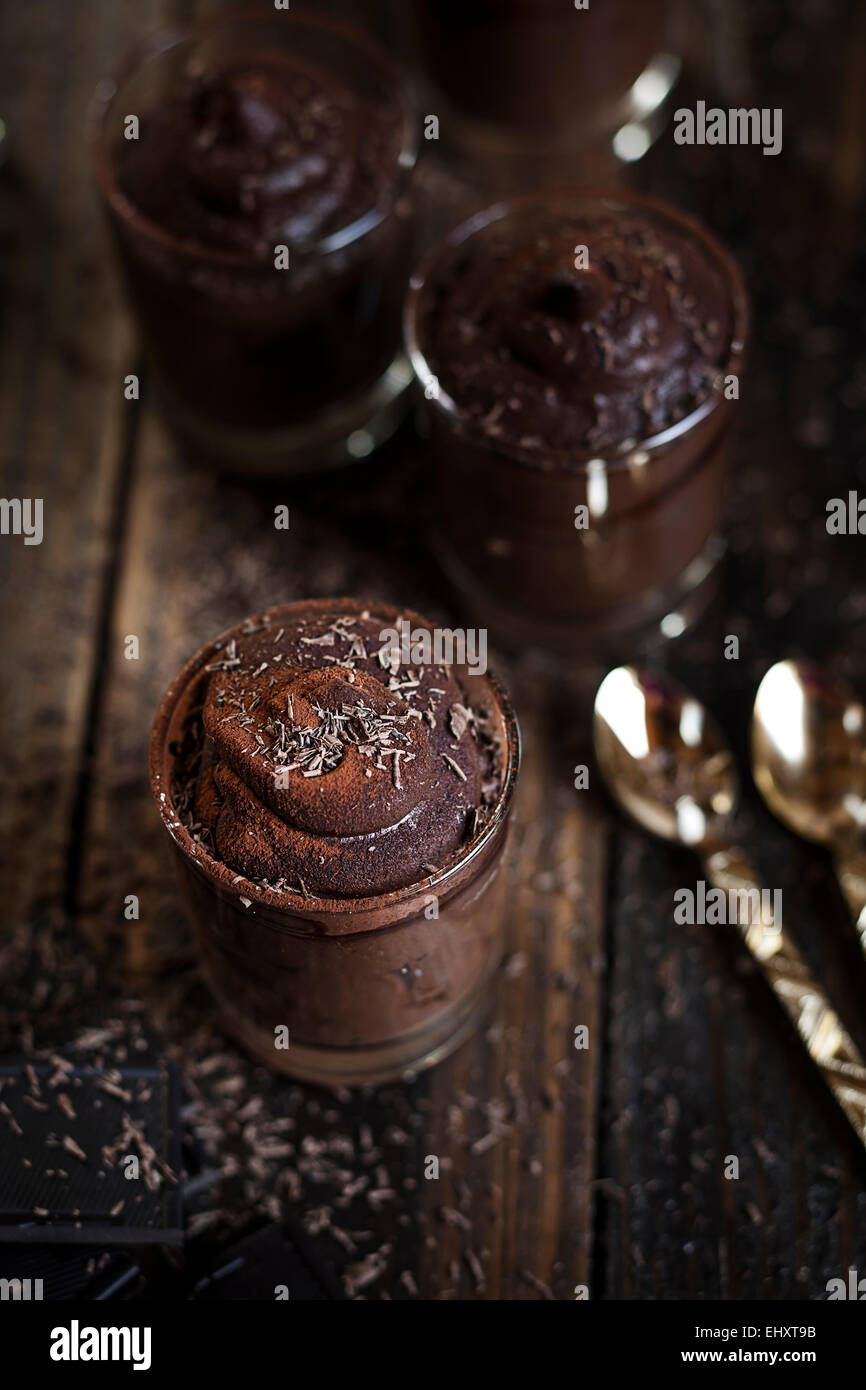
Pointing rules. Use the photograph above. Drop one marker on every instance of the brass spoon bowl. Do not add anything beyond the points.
(667, 764)
(664, 757)
(809, 764)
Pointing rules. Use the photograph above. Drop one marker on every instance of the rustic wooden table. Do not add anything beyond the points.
(559, 1168)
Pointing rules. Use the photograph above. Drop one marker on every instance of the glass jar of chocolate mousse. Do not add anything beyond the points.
(579, 356)
(337, 778)
(256, 173)
(526, 91)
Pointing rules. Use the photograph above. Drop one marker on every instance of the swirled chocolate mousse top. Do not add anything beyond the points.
(547, 346)
(329, 766)
(258, 152)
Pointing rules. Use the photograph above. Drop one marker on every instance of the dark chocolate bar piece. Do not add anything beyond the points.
(89, 1155)
(271, 1259)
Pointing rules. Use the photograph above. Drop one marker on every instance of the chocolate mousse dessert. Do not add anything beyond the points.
(261, 211)
(261, 150)
(553, 350)
(539, 82)
(332, 772)
(340, 814)
(580, 356)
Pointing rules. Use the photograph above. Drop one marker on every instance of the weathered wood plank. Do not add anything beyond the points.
(700, 1064)
(199, 554)
(61, 427)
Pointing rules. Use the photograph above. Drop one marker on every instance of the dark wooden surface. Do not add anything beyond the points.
(558, 1168)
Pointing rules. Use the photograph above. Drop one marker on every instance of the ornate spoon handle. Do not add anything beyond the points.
(819, 1026)
(851, 873)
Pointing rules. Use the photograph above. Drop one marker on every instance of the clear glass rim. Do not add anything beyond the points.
(169, 37)
(571, 461)
(221, 877)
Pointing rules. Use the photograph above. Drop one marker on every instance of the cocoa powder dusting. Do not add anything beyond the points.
(316, 764)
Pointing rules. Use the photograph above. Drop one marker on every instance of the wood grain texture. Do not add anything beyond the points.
(558, 1167)
(65, 345)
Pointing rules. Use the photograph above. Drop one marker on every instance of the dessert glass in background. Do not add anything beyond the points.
(528, 92)
(258, 132)
(548, 388)
(361, 905)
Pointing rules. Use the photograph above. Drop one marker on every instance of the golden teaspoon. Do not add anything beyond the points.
(809, 764)
(666, 762)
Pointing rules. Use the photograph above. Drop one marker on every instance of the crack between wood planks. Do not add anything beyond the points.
(598, 1260)
(118, 526)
